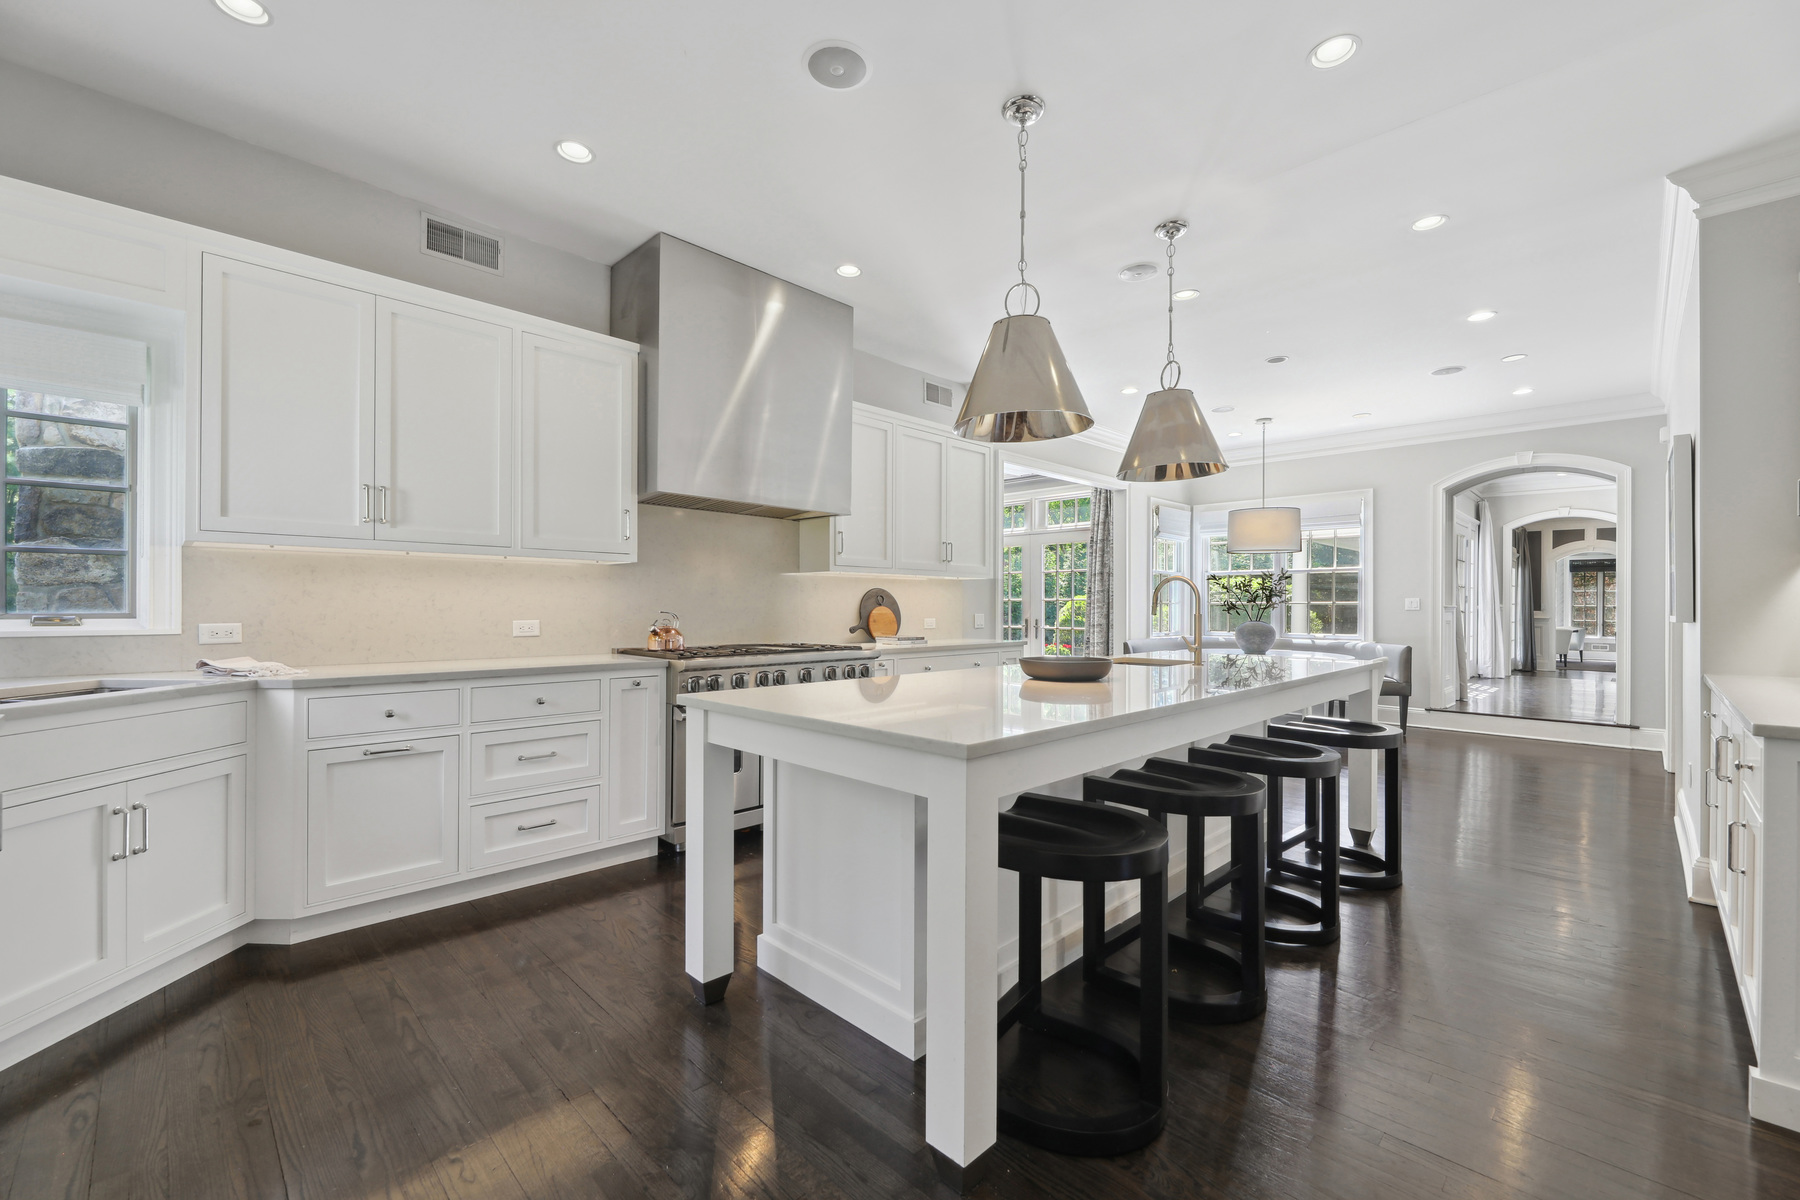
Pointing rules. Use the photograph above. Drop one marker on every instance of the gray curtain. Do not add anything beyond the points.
(1100, 576)
(1526, 544)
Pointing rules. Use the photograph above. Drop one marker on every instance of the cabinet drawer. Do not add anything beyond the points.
(384, 713)
(514, 701)
(914, 664)
(505, 760)
(504, 831)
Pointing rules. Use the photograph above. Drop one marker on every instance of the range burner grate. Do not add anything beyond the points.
(740, 650)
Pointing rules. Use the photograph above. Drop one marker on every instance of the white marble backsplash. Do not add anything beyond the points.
(730, 578)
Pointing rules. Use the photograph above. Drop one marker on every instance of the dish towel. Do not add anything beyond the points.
(245, 668)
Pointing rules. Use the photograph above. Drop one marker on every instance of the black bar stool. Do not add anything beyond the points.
(1195, 792)
(1042, 837)
(1318, 766)
(1346, 735)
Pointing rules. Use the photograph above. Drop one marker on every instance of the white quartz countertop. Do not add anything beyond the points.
(986, 710)
(1771, 703)
(139, 687)
(946, 646)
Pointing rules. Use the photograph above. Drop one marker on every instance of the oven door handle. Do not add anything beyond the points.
(680, 716)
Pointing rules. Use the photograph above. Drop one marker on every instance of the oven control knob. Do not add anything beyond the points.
(740, 680)
(780, 677)
(831, 672)
(714, 683)
(692, 685)
(762, 679)
(806, 675)
(863, 671)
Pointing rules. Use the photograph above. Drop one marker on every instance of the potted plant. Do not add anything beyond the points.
(1251, 600)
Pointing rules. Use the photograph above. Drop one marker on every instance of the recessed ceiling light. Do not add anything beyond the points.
(836, 65)
(1431, 221)
(1234, 433)
(1562, 474)
(1129, 391)
(849, 270)
(247, 11)
(1521, 391)
(575, 152)
(1334, 51)
(1186, 294)
(1512, 358)
(1360, 416)
(1448, 371)
(1483, 314)
(1226, 408)
(1279, 358)
(1134, 272)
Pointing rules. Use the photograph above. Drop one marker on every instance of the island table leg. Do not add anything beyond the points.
(962, 880)
(1362, 765)
(711, 933)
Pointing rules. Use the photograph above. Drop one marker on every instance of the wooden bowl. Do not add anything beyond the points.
(1066, 669)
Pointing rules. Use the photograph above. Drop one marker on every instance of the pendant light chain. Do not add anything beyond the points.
(1167, 382)
(1028, 293)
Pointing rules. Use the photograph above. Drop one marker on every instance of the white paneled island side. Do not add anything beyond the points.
(881, 883)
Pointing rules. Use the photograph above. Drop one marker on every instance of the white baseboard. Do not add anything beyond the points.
(1696, 870)
(1570, 732)
(1774, 1100)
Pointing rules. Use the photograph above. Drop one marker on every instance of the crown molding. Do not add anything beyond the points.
(1744, 178)
(1592, 412)
(1108, 439)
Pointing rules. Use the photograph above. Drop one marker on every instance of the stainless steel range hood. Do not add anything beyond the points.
(747, 384)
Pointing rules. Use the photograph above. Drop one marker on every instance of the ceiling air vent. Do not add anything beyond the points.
(938, 394)
(464, 245)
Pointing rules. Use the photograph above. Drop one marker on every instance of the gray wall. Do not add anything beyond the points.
(1749, 431)
(1402, 478)
(77, 140)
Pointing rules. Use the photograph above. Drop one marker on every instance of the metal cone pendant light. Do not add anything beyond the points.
(1172, 439)
(1263, 529)
(1022, 390)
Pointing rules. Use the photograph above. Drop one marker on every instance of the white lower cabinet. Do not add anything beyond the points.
(915, 664)
(185, 874)
(507, 760)
(380, 816)
(508, 831)
(62, 888)
(99, 880)
(635, 757)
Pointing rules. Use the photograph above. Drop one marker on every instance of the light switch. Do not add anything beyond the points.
(981, 620)
(218, 635)
(1412, 604)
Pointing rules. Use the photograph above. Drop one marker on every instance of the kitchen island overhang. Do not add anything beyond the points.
(881, 884)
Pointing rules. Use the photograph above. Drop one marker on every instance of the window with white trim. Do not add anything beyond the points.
(1044, 570)
(1329, 572)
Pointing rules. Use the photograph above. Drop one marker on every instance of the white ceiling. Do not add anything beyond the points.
(1543, 127)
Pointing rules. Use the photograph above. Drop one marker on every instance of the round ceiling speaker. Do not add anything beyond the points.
(1448, 371)
(1134, 272)
(836, 65)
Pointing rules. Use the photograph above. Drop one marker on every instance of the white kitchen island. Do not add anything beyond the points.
(923, 765)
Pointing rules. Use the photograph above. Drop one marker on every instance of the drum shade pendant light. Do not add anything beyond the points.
(1262, 529)
(1172, 439)
(1022, 390)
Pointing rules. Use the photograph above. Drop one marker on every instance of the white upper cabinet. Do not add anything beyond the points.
(923, 502)
(864, 537)
(579, 421)
(287, 404)
(443, 428)
(330, 415)
(969, 513)
(919, 542)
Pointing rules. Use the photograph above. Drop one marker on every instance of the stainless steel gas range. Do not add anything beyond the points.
(750, 665)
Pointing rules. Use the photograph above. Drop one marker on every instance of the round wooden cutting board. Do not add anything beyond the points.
(883, 622)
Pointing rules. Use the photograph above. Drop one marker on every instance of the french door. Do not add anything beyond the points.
(1043, 589)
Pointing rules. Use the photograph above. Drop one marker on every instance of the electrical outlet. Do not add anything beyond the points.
(981, 620)
(1412, 604)
(218, 635)
(526, 629)
(931, 622)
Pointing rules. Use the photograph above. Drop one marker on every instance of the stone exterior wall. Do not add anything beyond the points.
(72, 516)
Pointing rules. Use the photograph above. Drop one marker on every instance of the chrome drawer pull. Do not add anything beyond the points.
(389, 750)
(142, 847)
(126, 853)
(537, 757)
(539, 825)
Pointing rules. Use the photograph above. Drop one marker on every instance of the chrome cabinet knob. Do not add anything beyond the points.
(541, 700)
(388, 713)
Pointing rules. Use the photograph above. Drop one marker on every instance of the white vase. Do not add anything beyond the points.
(1255, 637)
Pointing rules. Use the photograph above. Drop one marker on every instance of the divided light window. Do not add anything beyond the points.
(69, 522)
(1044, 571)
(1327, 582)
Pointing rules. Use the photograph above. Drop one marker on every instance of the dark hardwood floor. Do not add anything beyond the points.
(1587, 696)
(1537, 1013)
